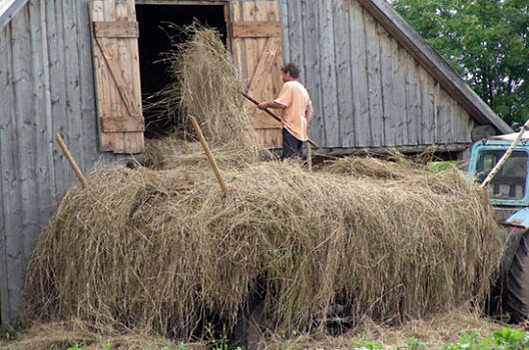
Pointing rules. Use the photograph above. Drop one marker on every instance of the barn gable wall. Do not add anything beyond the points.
(366, 88)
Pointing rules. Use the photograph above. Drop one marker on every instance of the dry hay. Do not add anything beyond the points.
(165, 251)
(206, 86)
(438, 330)
(433, 333)
(68, 334)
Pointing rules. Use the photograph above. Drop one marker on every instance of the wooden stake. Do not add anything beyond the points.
(208, 154)
(309, 155)
(505, 156)
(72, 161)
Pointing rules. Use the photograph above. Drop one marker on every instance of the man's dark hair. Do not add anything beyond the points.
(292, 69)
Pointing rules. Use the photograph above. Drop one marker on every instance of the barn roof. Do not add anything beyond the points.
(8, 9)
(432, 61)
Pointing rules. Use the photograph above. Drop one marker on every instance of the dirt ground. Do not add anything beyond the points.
(418, 334)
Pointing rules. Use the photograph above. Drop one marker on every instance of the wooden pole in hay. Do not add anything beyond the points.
(309, 154)
(504, 158)
(72, 161)
(208, 154)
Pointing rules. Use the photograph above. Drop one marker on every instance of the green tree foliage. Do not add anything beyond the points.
(486, 41)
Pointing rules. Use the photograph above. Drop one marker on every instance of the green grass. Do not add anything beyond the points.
(441, 165)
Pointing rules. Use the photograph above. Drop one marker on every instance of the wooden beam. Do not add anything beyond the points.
(445, 148)
(256, 29)
(122, 124)
(116, 29)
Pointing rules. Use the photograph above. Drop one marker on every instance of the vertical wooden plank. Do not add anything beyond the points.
(129, 57)
(331, 119)
(436, 100)
(4, 108)
(444, 125)
(311, 54)
(45, 152)
(12, 266)
(399, 78)
(374, 80)
(413, 103)
(464, 124)
(57, 93)
(276, 82)
(25, 134)
(88, 116)
(43, 196)
(253, 48)
(389, 103)
(359, 62)
(116, 107)
(284, 18)
(238, 47)
(427, 107)
(23, 185)
(72, 108)
(344, 83)
(295, 36)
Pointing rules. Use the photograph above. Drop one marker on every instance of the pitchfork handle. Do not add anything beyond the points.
(273, 115)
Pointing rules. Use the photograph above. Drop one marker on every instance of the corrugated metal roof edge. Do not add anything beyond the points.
(10, 12)
(432, 60)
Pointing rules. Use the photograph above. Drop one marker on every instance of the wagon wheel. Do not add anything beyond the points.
(516, 282)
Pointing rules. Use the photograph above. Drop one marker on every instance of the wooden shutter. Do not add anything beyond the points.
(255, 34)
(117, 75)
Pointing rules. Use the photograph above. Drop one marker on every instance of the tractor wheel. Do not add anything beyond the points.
(516, 282)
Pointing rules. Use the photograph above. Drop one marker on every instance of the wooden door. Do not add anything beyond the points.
(117, 75)
(255, 35)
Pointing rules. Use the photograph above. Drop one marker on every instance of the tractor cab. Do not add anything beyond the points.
(509, 189)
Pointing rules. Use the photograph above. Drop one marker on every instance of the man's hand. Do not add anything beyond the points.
(262, 105)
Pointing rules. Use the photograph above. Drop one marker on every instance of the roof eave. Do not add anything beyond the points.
(434, 63)
(12, 9)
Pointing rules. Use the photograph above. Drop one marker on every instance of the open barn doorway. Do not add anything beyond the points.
(154, 42)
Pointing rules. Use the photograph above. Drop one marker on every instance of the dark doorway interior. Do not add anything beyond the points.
(153, 41)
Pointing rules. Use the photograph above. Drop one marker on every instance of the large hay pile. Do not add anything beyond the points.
(164, 250)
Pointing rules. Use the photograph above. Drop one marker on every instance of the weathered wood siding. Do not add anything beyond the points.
(367, 90)
(46, 86)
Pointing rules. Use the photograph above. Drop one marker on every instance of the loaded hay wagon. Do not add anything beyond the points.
(84, 69)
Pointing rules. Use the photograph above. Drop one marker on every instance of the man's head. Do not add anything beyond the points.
(290, 72)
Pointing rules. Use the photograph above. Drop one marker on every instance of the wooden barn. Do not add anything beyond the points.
(81, 68)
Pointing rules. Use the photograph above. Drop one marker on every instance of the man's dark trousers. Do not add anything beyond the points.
(292, 147)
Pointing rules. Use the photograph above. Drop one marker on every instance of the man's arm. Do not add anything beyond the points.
(308, 113)
(270, 104)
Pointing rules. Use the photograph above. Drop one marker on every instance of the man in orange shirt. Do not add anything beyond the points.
(294, 101)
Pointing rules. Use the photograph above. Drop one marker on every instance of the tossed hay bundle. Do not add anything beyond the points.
(207, 87)
(165, 251)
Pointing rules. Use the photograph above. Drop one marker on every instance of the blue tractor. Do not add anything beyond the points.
(509, 194)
